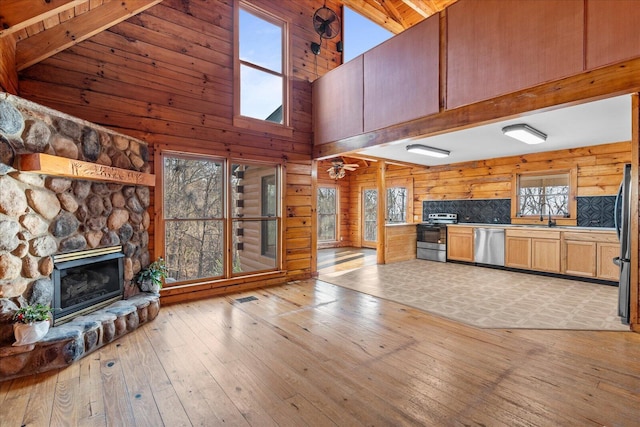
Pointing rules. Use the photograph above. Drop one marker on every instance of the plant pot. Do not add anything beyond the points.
(149, 286)
(28, 333)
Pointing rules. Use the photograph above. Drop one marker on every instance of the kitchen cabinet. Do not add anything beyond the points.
(460, 243)
(545, 254)
(607, 270)
(517, 252)
(590, 254)
(532, 249)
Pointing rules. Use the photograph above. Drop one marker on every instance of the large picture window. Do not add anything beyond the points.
(262, 65)
(193, 210)
(219, 219)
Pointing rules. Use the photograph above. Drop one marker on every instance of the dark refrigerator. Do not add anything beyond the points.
(621, 218)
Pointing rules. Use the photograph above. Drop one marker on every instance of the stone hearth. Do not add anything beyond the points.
(46, 214)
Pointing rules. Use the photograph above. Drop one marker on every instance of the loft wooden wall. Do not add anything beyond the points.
(166, 77)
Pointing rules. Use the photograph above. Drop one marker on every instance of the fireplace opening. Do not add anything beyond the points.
(86, 281)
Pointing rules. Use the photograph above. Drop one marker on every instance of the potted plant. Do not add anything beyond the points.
(31, 323)
(150, 278)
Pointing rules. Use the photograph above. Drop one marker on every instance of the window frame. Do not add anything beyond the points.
(336, 212)
(572, 208)
(284, 129)
(229, 218)
(407, 184)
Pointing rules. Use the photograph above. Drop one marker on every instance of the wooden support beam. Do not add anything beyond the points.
(8, 72)
(49, 42)
(46, 164)
(393, 13)
(16, 15)
(420, 7)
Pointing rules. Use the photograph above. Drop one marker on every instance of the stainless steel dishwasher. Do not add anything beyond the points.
(488, 246)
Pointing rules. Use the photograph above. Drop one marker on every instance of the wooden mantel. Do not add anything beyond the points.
(61, 166)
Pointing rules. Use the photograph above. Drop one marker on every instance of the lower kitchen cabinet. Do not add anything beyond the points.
(460, 243)
(590, 254)
(580, 258)
(517, 252)
(607, 270)
(545, 254)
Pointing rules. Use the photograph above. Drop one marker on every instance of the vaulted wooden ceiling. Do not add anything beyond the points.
(42, 28)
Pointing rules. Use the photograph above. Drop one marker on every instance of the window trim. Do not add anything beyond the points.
(405, 183)
(228, 217)
(572, 219)
(336, 214)
(250, 123)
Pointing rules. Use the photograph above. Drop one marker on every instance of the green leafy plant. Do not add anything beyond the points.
(32, 313)
(154, 273)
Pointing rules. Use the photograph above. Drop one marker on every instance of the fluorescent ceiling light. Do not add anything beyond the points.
(525, 133)
(427, 151)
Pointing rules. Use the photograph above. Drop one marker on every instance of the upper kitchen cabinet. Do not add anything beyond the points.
(338, 103)
(495, 47)
(401, 77)
(607, 26)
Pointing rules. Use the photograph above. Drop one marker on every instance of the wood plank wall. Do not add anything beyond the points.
(599, 173)
(166, 76)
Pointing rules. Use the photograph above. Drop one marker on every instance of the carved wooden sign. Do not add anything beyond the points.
(61, 166)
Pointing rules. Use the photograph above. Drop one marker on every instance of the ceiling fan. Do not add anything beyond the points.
(339, 168)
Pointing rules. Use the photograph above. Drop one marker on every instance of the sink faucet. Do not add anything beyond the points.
(550, 222)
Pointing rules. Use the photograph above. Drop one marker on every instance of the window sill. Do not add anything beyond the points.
(261, 126)
(535, 220)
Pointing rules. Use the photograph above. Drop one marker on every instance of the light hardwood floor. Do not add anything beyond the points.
(312, 353)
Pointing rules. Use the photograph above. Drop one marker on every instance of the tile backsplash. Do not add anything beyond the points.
(592, 211)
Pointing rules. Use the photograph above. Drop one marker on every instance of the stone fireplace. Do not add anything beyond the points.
(69, 186)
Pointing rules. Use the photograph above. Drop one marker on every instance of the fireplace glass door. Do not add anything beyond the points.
(86, 284)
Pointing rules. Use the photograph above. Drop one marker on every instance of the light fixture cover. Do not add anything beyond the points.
(427, 151)
(525, 133)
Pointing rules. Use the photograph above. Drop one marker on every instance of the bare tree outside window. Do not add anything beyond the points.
(193, 192)
(370, 203)
(327, 213)
(543, 195)
(396, 205)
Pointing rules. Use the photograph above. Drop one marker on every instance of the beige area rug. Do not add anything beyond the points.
(486, 297)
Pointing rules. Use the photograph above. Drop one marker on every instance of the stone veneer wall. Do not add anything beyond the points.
(41, 216)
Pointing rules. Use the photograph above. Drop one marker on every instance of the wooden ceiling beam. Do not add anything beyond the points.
(49, 42)
(420, 7)
(16, 15)
(393, 13)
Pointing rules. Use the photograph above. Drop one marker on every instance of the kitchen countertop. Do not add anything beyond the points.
(537, 227)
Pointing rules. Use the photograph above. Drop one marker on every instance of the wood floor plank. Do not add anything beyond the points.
(311, 353)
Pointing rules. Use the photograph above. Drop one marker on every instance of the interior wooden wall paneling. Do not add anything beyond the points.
(166, 76)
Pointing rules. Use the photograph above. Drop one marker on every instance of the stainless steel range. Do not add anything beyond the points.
(432, 236)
